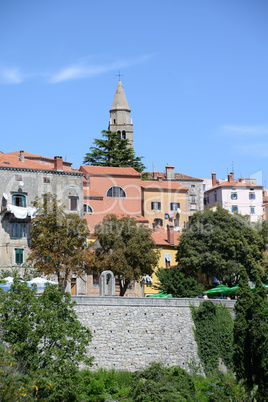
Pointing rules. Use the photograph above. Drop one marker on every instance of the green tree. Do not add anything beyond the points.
(259, 339)
(126, 248)
(173, 281)
(58, 240)
(44, 334)
(220, 244)
(242, 339)
(113, 151)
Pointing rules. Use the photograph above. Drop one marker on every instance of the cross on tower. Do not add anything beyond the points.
(119, 75)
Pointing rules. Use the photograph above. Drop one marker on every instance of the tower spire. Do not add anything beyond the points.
(120, 120)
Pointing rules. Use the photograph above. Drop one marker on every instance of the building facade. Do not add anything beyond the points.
(242, 196)
(23, 177)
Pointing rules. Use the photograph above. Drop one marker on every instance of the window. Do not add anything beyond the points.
(177, 222)
(19, 200)
(18, 177)
(158, 222)
(215, 196)
(88, 209)
(204, 187)
(46, 179)
(155, 206)
(252, 210)
(73, 203)
(174, 206)
(234, 208)
(123, 135)
(252, 196)
(206, 200)
(116, 192)
(19, 256)
(192, 199)
(18, 230)
(234, 196)
(192, 185)
(95, 280)
(167, 260)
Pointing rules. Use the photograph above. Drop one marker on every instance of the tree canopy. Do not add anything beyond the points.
(58, 240)
(113, 151)
(173, 281)
(220, 245)
(126, 248)
(43, 333)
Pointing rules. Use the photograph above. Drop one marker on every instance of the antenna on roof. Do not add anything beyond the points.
(233, 166)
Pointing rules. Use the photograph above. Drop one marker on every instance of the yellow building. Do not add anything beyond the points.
(166, 241)
(165, 202)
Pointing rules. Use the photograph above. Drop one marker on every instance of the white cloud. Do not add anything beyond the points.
(11, 76)
(244, 130)
(83, 70)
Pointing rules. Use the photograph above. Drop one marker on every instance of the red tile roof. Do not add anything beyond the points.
(234, 183)
(13, 161)
(177, 176)
(44, 159)
(160, 237)
(166, 185)
(105, 170)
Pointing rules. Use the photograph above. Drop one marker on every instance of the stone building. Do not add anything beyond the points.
(120, 120)
(24, 176)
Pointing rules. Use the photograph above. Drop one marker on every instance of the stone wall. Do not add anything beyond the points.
(129, 333)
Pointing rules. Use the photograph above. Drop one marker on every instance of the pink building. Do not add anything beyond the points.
(111, 190)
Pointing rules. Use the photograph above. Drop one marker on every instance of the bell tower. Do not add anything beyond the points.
(120, 120)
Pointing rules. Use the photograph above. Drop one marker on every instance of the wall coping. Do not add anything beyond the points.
(145, 301)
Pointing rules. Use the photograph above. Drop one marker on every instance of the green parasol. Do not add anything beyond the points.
(160, 294)
(218, 290)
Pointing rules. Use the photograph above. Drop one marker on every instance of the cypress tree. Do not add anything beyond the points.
(259, 339)
(242, 341)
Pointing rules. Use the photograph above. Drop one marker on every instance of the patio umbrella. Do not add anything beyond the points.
(218, 290)
(7, 284)
(160, 294)
(40, 283)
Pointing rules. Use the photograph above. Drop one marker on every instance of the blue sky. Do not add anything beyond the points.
(194, 73)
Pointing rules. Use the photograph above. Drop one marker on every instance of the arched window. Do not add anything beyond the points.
(88, 209)
(116, 192)
(19, 200)
(123, 136)
(119, 132)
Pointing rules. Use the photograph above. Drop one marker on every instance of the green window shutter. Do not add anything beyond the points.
(18, 255)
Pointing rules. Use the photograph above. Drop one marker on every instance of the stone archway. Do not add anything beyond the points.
(111, 283)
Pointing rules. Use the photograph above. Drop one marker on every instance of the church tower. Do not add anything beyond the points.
(120, 120)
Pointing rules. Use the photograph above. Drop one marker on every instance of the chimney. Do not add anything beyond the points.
(229, 178)
(22, 156)
(159, 178)
(155, 174)
(170, 234)
(232, 176)
(240, 179)
(170, 173)
(58, 163)
(214, 180)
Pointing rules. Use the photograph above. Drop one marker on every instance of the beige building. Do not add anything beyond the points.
(164, 202)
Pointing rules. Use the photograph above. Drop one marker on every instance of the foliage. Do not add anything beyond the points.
(220, 245)
(251, 336)
(58, 240)
(214, 335)
(113, 151)
(173, 281)
(242, 341)
(126, 248)
(24, 272)
(43, 332)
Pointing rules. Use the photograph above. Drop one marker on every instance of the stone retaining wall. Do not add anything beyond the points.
(129, 333)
